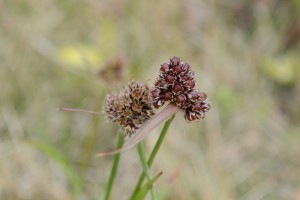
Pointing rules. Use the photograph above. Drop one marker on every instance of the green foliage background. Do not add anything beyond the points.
(245, 54)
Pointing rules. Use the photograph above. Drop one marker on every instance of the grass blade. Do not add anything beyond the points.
(152, 155)
(144, 190)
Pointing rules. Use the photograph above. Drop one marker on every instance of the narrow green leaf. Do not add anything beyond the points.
(141, 151)
(144, 190)
(152, 155)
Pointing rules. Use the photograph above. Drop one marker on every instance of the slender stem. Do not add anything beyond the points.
(153, 154)
(143, 159)
(114, 169)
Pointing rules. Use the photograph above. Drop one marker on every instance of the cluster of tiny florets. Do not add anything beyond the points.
(176, 83)
(131, 107)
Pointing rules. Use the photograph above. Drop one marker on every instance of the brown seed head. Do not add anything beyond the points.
(131, 107)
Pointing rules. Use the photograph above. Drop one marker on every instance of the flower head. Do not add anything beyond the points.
(176, 83)
(131, 107)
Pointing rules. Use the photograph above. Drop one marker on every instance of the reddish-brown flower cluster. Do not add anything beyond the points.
(176, 83)
(131, 107)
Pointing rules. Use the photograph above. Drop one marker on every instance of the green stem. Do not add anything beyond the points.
(114, 168)
(153, 154)
(143, 159)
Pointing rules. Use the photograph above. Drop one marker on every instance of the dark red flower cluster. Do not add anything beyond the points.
(176, 83)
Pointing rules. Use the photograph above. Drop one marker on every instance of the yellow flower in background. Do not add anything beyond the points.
(92, 56)
(80, 56)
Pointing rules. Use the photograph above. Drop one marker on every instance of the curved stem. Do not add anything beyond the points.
(152, 155)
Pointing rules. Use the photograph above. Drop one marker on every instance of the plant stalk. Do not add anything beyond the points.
(146, 170)
(114, 169)
(152, 155)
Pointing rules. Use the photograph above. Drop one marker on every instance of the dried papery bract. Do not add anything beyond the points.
(131, 107)
(79, 110)
(176, 83)
(145, 130)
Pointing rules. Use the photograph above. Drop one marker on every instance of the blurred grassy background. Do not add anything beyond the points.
(72, 53)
